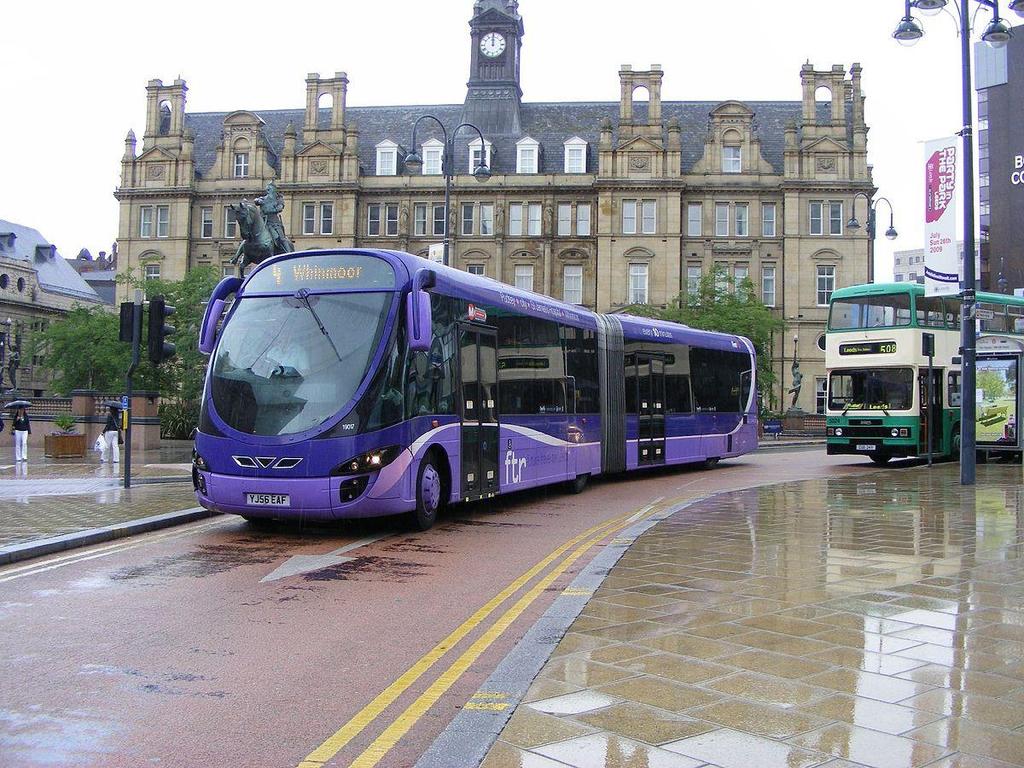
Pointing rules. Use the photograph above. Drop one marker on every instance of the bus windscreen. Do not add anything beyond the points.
(883, 310)
(881, 389)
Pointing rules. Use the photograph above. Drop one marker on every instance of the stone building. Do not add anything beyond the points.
(37, 286)
(599, 203)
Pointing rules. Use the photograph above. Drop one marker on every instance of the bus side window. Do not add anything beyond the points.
(954, 390)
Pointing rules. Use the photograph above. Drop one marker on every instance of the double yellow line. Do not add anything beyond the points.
(405, 721)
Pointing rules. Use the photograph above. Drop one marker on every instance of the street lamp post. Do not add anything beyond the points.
(5, 337)
(854, 225)
(996, 34)
(481, 172)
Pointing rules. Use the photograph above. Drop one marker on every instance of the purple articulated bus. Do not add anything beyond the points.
(357, 383)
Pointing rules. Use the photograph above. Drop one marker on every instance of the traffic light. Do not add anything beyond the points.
(127, 321)
(156, 338)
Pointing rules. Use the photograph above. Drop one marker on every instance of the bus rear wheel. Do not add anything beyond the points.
(429, 494)
(711, 462)
(577, 485)
(881, 459)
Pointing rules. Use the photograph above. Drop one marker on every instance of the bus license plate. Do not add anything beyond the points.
(268, 499)
(865, 447)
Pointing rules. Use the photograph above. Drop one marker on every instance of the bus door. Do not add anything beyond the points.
(931, 412)
(478, 378)
(650, 372)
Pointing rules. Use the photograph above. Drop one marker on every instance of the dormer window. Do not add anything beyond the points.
(575, 155)
(527, 153)
(241, 165)
(433, 151)
(387, 158)
(474, 154)
(731, 159)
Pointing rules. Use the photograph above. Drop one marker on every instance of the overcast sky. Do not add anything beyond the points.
(73, 77)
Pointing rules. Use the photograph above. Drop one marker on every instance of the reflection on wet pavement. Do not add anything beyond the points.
(860, 621)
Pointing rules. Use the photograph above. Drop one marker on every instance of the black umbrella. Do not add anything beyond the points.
(18, 404)
(111, 404)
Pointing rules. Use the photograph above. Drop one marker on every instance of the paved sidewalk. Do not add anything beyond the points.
(863, 621)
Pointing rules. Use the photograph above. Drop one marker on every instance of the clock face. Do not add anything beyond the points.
(492, 44)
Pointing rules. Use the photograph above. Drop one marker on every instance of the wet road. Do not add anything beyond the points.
(214, 643)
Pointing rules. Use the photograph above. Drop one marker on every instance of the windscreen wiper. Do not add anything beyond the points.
(303, 296)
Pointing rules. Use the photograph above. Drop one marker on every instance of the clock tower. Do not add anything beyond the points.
(493, 94)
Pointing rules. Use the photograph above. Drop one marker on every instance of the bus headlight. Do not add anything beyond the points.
(830, 431)
(199, 461)
(894, 432)
(904, 432)
(370, 461)
(839, 431)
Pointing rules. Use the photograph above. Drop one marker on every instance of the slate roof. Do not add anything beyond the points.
(52, 270)
(550, 123)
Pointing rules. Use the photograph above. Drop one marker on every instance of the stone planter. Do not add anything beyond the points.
(64, 446)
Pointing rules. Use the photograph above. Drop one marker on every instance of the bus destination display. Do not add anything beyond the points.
(324, 272)
(868, 348)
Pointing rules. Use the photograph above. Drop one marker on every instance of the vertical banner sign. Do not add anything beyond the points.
(941, 255)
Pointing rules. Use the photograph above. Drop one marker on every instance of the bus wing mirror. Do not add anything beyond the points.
(418, 320)
(214, 310)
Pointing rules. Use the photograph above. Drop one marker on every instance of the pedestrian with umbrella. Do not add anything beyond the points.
(21, 427)
(111, 434)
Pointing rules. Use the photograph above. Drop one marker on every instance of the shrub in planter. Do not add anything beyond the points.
(66, 443)
(65, 422)
(178, 419)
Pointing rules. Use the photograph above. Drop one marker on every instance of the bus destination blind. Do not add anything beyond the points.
(868, 348)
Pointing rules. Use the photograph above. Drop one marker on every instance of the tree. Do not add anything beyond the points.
(82, 350)
(992, 384)
(721, 304)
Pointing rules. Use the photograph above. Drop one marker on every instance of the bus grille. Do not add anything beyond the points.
(852, 431)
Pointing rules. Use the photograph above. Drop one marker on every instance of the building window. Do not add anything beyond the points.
(241, 165)
(637, 283)
(146, 221)
(740, 272)
(648, 209)
(564, 219)
(527, 151)
(391, 219)
(826, 283)
(572, 283)
(816, 220)
(419, 219)
(152, 271)
(524, 276)
(326, 218)
(227, 270)
(583, 219)
(692, 279)
(439, 220)
(731, 160)
(721, 219)
(309, 218)
(467, 218)
(475, 269)
(768, 285)
(474, 155)
(373, 220)
(163, 220)
(515, 219)
(768, 220)
(819, 394)
(432, 152)
(629, 217)
(387, 158)
(230, 225)
(835, 217)
(206, 223)
(694, 219)
(742, 220)
(533, 220)
(721, 277)
(575, 155)
(486, 218)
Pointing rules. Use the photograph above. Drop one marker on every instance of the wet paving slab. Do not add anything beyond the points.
(874, 621)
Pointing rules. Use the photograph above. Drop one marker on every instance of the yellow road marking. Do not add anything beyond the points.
(337, 741)
(489, 706)
(94, 553)
(405, 721)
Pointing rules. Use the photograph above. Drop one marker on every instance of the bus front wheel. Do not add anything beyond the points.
(429, 494)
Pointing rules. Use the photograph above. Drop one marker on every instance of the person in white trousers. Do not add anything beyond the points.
(111, 434)
(21, 429)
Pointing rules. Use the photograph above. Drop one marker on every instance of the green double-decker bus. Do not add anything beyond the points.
(878, 402)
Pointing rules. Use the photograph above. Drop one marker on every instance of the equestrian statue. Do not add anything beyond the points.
(261, 229)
